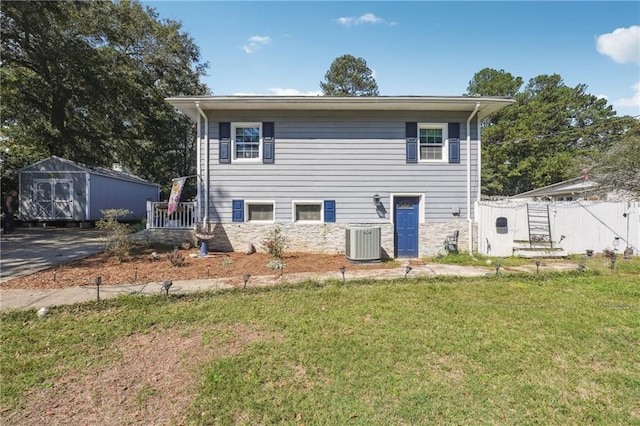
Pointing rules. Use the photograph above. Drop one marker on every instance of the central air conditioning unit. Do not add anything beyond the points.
(363, 243)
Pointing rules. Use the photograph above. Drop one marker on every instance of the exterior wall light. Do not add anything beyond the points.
(376, 200)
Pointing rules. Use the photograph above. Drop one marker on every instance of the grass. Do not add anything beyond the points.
(516, 349)
(597, 262)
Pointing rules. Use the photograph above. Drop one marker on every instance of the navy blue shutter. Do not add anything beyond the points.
(224, 154)
(411, 135)
(238, 210)
(329, 211)
(454, 142)
(268, 143)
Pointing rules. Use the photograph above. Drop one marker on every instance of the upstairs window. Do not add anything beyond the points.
(432, 142)
(247, 138)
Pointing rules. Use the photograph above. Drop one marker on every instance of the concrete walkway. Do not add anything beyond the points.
(12, 299)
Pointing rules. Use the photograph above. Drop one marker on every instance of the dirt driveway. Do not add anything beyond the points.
(28, 250)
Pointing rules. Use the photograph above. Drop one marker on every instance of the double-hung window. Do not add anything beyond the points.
(432, 142)
(247, 141)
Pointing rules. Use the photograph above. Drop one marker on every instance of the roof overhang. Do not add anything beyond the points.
(487, 105)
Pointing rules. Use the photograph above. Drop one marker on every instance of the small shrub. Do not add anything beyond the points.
(227, 262)
(275, 244)
(118, 240)
(277, 265)
(139, 226)
(176, 258)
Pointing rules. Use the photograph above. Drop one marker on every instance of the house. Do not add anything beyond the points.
(408, 167)
(579, 188)
(568, 190)
(57, 189)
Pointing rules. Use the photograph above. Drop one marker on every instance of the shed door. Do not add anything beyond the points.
(53, 199)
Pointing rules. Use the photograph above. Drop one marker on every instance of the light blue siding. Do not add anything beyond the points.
(343, 156)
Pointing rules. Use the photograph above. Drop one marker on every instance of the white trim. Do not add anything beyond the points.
(479, 166)
(469, 223)
(340, 103)
(421, 202)
(259, 202)
(87, 191)
(199, 159)
(234, 126)
(294, 203)
(445, 141)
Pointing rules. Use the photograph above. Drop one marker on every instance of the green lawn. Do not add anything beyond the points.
(552, 349)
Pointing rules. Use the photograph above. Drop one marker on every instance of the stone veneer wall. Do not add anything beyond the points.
(314, 238)
(165, 236)
(433, 235)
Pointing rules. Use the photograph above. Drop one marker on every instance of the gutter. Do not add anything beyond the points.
(469, 223)
(205, 220)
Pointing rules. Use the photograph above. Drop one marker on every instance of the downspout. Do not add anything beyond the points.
(469, 223)
(205, 220)
(87, 190)
(479, 161)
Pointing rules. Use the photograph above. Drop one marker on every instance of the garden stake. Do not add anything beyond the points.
(537, 266)
(98, 281)
(407, 270)
(246, 277)
(342, 269)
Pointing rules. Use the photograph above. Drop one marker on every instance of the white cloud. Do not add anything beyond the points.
(622, 45)
(260, 39)
(631, 102)
(255, 43)
(278, 91)
(367, 18)
(346, 21)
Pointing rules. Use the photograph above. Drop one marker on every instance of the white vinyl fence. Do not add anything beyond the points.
(576, 226)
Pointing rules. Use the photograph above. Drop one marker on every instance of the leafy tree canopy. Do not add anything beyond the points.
(618, 167)
(489, 82)
(87, 81)
(545, 136)
(349, 76)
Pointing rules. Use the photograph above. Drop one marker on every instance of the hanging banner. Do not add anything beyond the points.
(176, 191)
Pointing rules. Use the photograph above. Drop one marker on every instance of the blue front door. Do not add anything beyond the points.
(406, 226)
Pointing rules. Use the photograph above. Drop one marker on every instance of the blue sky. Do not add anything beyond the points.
(415, 48)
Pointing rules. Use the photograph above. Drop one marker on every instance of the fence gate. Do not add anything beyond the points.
(53, 199)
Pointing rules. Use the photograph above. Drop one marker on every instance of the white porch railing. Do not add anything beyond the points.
(184, 217)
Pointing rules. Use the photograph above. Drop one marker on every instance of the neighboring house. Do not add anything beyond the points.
(56, 189)
(316, 166)
(568, 190)
(579, 188)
